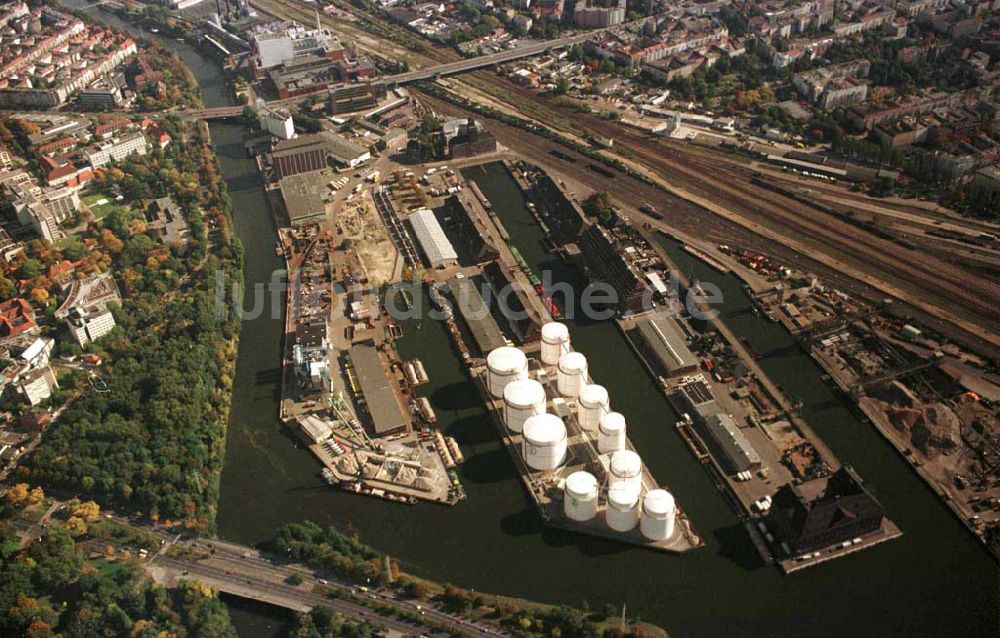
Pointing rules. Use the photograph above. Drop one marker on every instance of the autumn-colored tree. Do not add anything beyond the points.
(111, 242)
(88, 511)
(76, 526)
(21, 495)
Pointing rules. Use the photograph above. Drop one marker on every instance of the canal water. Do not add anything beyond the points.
(935, 581)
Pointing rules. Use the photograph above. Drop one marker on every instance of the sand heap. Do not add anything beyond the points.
(934, 428)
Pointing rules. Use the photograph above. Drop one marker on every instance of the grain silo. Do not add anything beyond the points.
(505, 364)
(555, 342)
(580, 496)
(611, 433)
(571, 374)
(657, 519)
(522, 399)
(626, 468)
(594, 404)
(622, 512)
(544, 442)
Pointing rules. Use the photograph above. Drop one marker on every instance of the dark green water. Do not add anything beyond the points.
(935, 581)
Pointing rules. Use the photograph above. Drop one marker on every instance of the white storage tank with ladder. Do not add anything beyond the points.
(522, 399)
(594, 404)
(611, 433)
(626, 468)
(571, 374)
(658, 512)
(555, 342)
(580, 496)
(622, 511)
(544, 444)
(505, 364)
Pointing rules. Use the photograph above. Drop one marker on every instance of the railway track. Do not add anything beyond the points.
(715, 178)
(877, 262)
(926, 215)
(690, 218)
(981, 295)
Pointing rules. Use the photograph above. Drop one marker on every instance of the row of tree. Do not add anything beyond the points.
(50, 588)
(153, 441)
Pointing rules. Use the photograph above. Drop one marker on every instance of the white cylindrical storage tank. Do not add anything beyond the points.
(505, 364)
(544, 442)
(571, 374)
(626, 468)
(522, 399)
(657, 519)
(580, 496)
(622, 512)
(594, 404)
(611, 433)
(555, 342)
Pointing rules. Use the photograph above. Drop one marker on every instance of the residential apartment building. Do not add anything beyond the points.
(89, 323)
(599, 13)
(116, 149)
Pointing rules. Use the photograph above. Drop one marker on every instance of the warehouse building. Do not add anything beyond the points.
(435, 244)
(345, 153)
(477, 315)
(303, 154)
(606, 262)
(719, 426)
(664, 346)
(824, 512)
(737, 448)
(304, 196)
(379, 398)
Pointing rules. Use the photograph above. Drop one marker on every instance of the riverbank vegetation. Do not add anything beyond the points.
(152, 440)
(54, 585)
(324, 622)
(328, 550)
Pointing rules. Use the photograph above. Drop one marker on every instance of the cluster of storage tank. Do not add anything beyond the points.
(625, 505)
(545, 437)
(544, 434)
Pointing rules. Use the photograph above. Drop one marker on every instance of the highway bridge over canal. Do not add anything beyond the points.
(429, 73)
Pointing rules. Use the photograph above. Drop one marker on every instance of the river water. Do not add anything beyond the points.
(934, 581)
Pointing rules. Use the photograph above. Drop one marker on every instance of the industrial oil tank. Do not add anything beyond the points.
(622, 512)
(571, 374)
(611, 433)
(580, 496)
(594, 404)
(555, 342)
(505, 364)
(544, 445)
(626, 468)
(522, 399)
(657, 519)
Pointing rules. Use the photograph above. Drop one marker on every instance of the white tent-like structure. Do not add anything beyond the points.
(432, 239)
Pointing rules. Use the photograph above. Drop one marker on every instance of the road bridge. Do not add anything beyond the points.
(248, 573)
(502, 57)
(439, 70)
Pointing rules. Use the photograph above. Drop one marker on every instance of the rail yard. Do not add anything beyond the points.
(925, 282)
(603, 307)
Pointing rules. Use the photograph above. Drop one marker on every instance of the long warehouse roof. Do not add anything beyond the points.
(669, 343)
(431, 237)
(477, 314)
(386, 414)
(727, 434)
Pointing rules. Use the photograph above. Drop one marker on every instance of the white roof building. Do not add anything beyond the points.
(432, 239)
